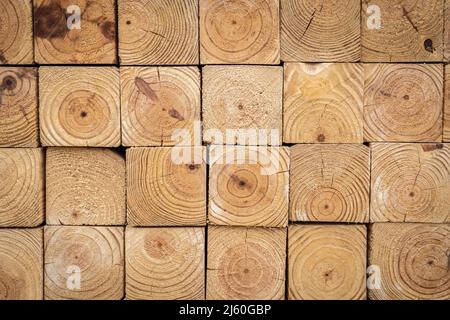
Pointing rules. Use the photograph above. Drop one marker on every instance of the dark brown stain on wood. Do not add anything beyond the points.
(108, 29)
(175, 114)
(432, 147)
(145, 89)
(50, 21)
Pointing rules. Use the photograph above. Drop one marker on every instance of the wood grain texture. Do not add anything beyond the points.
(18, 107)
(79, 106)
(446, 136)
(413, 261)
(411, 31)
(164, 192)
(93, 43)
(330, 183)
(21, 264)
(242, 97)
(157, 101)
(403, 102)
(447, 31)
(98, 252)
(239, 32)
(323, 103)
(16, 28)
(165, 263)
(21, 187)
(158, 32)
(246, 263)
(85, 186)
(320, 31)
(327, 262)
(410, 183)
(251, 190)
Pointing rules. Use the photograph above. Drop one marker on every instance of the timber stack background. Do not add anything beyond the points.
(92, 205)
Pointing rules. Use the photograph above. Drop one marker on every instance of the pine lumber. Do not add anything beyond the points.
(16, 28)
(446, 136)
(251, 190)
(412, 259)
(158, 32)
(410, 31)
(403, 102)
(323, 103)
(158, 101)
(246, 263)
(18, 107)
(165, 263)
(239, 32)
(85, 186)
(93, 254)
(242, 97)
(94, 42)
(410, 183)
(320, 31)
(330, 183)
(447, 31)
(21, 187)
(164, 192)
(79, 106)
(21, 262)
(327, 262)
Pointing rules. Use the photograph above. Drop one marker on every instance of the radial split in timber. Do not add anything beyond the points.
(314, 31)
(447, 104)
(242, 97)
(239, 32)
(323, 103)
(413, 261)
(79, 106)
(85, 187)
(246, 263)
(93, 43)
(403, 102)
(410, 183)
(21, 187)
(166, 186)
(327, 262)
(157, 101)
(18, 107)
(21, 264)
(158, 32)
(165, 263)
(251, 190)
(16, 42)
(329, 183)
(94, 255)
(411, 31)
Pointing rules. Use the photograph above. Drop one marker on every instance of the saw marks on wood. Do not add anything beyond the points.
(16, 28)
(94, 42)
(239, 32)
(410, 183)
(330, 183)
(165, 263)
(18, 107)
(79, 106)
(157, 102)
(158, 32)
(410, 31)
(166, 186)
(249, 186)
(246, 263)
(403, 102)
(413, 261)
(85, 186)
(320, 31)
(84, 263)
(323, 103)
(327, 262)
(21, 187)
(242, 98)
(21, 262)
